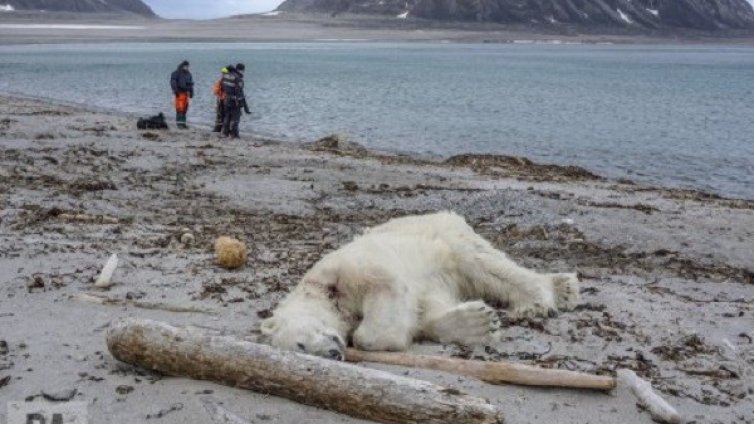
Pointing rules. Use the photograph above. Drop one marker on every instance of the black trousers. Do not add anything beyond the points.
(219, 116)
(232, 118)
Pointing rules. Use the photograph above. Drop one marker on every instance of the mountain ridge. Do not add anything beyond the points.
(638, 14)
(136, 7)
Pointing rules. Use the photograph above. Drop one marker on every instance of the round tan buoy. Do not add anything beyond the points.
(230, 253)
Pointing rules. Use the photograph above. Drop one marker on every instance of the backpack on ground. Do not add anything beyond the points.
(156, 122)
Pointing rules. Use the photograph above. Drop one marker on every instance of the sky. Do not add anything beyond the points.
(206, 9)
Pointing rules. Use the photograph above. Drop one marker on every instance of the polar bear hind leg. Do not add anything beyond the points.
(491, 274)
(497, 278)
(469, 323)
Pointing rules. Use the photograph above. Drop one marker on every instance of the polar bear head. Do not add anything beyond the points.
(305, 334)
(312, 319)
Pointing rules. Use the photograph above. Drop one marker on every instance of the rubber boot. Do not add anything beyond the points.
(219, 116)
(180, 119)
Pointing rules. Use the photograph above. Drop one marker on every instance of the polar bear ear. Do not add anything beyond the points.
(269, 326)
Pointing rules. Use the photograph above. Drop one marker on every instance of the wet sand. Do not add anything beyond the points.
(668, 283)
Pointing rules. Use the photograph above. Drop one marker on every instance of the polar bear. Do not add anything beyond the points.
(417, 277)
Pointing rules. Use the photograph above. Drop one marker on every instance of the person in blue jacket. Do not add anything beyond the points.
(182, 83)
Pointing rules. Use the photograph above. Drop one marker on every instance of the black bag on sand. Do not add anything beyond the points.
(156, 122)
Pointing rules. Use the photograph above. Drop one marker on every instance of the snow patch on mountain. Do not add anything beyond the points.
(69, 26)
(624, 17)
(137, 7)
(635, 14)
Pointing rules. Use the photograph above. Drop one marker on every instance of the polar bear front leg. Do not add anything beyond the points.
(390, 319)
(470, 323)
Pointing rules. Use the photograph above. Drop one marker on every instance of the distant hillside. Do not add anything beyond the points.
(644, 14)
(82, 6)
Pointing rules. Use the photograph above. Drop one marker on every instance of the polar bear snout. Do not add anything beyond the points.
(309, 336)
(335, 354)
(325, 345)
(329, 346)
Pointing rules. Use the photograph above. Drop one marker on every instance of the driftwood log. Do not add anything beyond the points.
(490, 372)
(359, 392)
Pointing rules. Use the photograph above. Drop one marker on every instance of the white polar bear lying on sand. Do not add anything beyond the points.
(418, 277)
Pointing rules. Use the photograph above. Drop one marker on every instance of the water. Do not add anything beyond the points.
(675, 116)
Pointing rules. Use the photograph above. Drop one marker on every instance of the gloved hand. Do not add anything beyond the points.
(191, 95)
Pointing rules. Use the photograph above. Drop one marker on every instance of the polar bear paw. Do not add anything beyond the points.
(538, 300)
(369, 339)
(534, 310)
(567, 295)
(469, 323)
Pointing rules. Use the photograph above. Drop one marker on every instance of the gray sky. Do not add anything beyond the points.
(203, 9)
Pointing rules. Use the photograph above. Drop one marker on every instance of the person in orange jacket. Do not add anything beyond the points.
(217, 89)
(182, 83)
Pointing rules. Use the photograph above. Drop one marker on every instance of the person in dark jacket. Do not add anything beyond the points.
(217, 89)
(235, 100)
(182, 84)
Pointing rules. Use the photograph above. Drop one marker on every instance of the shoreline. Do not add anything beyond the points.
(667, 278)
(360, 151)
(307, 28)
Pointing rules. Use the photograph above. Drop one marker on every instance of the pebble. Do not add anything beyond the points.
(124, 390)
(187, 239)
(36, 282)
(266, 257)
(62, 395)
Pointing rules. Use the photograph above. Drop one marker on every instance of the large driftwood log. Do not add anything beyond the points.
(490, 372)
(349, 389)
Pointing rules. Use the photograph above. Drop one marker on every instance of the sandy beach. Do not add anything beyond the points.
(668, 283)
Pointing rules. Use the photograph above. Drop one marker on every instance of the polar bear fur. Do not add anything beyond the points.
(418, 277)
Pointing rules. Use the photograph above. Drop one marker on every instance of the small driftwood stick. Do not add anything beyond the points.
(658, 408)
(490, 372)
(101, 299)
(86, 218)
(105, 279)
(359, 392)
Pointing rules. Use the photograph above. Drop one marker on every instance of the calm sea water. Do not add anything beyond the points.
(675, 116)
